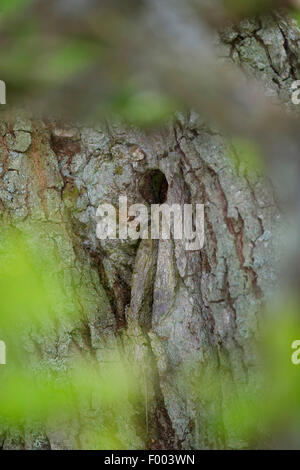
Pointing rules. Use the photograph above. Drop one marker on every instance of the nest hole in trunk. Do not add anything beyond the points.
(153, 186)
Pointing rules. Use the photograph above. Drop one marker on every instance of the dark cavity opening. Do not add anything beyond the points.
(153, 186)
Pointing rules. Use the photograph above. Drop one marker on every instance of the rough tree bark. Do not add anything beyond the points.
(165, 309)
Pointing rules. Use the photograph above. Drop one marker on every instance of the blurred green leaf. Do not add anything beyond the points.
(30, 290)
(296, 16)
(246, 156)
(71, 58)
(143, 108)
(8, 7)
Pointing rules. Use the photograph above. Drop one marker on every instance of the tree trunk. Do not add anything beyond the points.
(181, 317)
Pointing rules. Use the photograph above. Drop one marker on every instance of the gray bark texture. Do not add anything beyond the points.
(165, 310)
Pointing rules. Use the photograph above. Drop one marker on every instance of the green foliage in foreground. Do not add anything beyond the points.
(35, 390)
